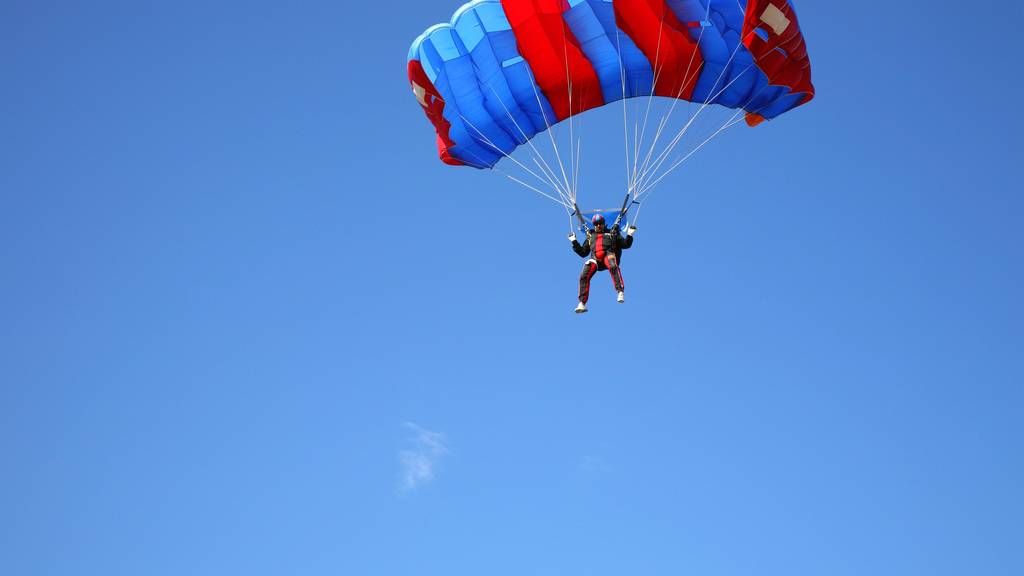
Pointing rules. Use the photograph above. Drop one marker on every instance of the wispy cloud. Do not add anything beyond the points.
(420, 460)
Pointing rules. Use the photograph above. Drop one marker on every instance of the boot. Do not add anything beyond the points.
(582, 308)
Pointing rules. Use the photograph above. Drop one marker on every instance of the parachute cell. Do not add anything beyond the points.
(503, 71)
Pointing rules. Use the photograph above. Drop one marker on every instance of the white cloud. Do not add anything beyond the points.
(420, 461)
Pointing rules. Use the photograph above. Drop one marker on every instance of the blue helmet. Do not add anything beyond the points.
(597, 219)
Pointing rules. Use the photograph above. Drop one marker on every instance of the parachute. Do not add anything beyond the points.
(504, 71)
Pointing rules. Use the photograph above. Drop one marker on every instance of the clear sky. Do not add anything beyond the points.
(251, 325)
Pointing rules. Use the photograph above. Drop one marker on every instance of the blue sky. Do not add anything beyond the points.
(250, 325)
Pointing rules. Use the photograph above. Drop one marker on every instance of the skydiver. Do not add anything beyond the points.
(605, 250)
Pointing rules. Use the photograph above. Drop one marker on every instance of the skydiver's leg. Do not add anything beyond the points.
(613, 267)
(589, 269)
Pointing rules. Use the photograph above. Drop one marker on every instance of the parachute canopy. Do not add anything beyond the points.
(505, 70)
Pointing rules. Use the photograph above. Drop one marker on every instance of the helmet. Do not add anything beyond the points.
(597, 219)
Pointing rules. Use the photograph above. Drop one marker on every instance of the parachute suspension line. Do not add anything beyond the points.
(536, 153)
(546, 195)
(499, 150)
(639, 207)
(636, 146)
(675, 101)
(554, 145)
(638, 143)
(551, 136)
(580, 122)
(548, 179)
(573, 154)
(514, 179)
(625, 115)
(648, 187)
(642, 185)
(506, 155)
(711, 96)
(576, 176)
(553, 180)
(651, 173)
(732, 121)
(727, 124)
(663, 156)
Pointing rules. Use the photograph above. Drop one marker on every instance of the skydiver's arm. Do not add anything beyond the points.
(583, 250)
(622, 243)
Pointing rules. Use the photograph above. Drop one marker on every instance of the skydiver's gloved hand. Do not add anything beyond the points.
(572, 236)
(630, 230)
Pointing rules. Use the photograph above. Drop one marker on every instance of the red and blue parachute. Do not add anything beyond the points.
(505, 70)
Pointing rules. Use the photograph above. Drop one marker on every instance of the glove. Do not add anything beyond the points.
(572, 236)
(630, 230)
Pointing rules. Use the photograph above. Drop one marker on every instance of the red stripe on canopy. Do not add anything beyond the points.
(554, 55)
(667, 43)
(433, 105)
(783, 56)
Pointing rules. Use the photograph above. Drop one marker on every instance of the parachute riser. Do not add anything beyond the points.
(625, 208)
(627, 203)
(579, 216)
